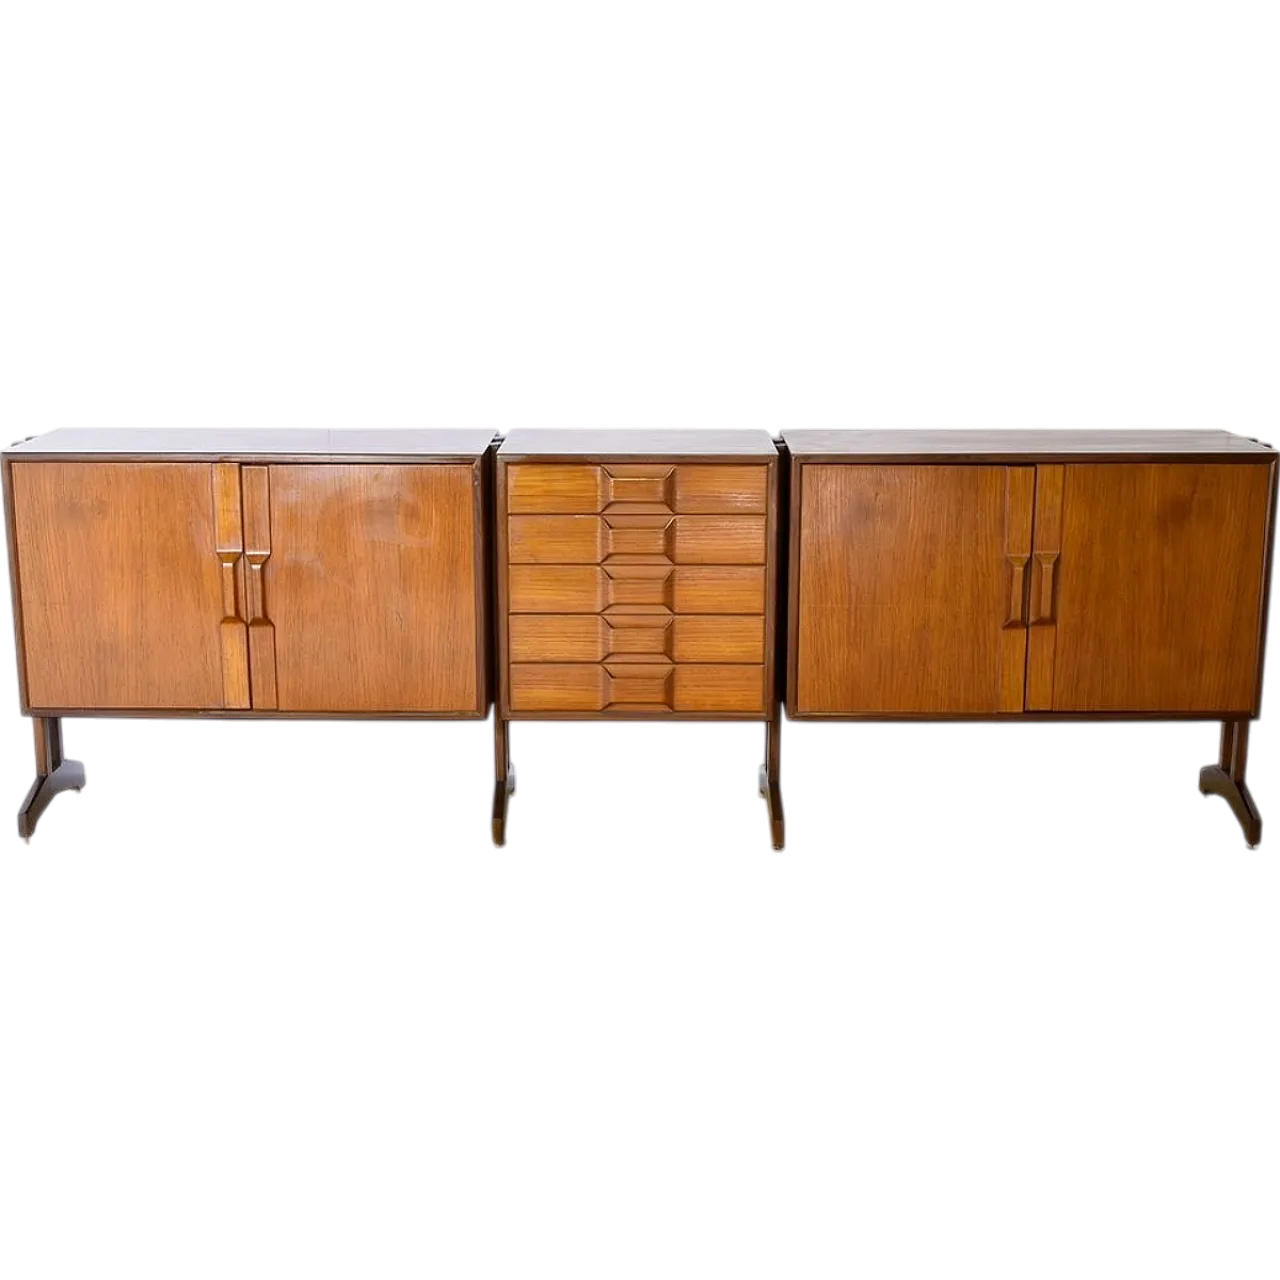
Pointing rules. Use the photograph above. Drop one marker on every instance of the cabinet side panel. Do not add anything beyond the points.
(371, 588)
(122, 585)
(905, 589)
(1159, 587)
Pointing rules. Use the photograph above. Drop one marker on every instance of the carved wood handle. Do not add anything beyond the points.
(232, 586)
(1043, 591)
(255, 593)
(1018, 592)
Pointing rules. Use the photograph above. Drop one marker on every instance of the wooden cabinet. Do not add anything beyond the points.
(643, 546)
(929, 587)
(315, 573)
(636, 578)
(939, 574)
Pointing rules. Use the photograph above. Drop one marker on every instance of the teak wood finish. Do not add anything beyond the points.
(1019, 575)
(639, 575)
(636, 578)
(246, 574)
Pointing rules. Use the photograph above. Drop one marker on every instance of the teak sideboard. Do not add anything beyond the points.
(1050, 574)
(600, 575)
(242, 573)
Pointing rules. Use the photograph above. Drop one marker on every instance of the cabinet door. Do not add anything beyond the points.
(911, 589)
(127, 583)
(1147, 587)
(362, 587)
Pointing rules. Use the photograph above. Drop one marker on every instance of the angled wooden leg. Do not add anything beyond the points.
(505, 784)
(54, 773)
(1226, 779)
(770, 776)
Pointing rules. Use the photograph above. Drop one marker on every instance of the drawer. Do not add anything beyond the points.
(630, 687)
(613, 539)
(634, 637)
(635, 588)
(636, 489)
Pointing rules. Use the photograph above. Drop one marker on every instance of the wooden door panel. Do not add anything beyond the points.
(911, 589)
(1147, 587)
(369, 584)
(126, 575)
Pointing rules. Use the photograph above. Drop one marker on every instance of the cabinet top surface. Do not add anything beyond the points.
(144, 442)
(904, 445)
(538, 443)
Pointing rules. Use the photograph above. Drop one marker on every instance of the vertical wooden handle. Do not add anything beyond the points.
(1018, 592)
(255, 595)
(232, 586)
(1042, 591)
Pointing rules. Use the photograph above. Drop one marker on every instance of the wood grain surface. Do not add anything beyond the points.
(370, 585)
(1159, 588)
(125, 593)
(906, 577)
(658, 687)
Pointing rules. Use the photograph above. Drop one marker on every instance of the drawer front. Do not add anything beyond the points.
(623, 539)
(637, 688)
(635, 637)
(636, 489)
(636, 588)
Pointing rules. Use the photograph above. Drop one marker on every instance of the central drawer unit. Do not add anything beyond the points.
(636, 579)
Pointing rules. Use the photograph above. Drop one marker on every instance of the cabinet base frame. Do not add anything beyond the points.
(1226, 779)
(504, 786)
(1223, 780)
(54, 774)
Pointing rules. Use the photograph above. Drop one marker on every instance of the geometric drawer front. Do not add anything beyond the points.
(635, 489)
(637, 637)
(636, 588)
(637, 687)
(609, 539)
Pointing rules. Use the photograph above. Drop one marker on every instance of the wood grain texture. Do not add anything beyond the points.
(549, 539)
(124, 591)
(904, 589)
(594, 638)
(658, 687)
(1159, 587)
(228, 524)
(371, 588)
(721, 489)
(637, 489)
(1019, 500)
(573, 489)
(255, 483)
(1047, 549)
(636, 588)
